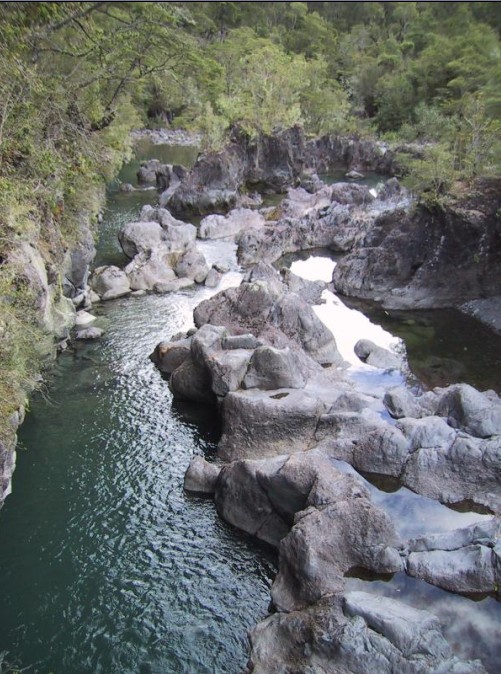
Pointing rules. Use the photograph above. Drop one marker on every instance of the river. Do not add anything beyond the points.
(106, 565)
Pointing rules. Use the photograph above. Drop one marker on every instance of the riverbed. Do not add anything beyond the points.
(106, 565)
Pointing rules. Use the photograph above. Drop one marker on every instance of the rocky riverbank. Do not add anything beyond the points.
(288, 413)
(291, 417)
(54, 281)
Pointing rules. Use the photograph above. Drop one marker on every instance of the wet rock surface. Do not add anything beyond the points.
(351, 634)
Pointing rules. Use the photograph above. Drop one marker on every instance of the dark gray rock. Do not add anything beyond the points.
(213, 278)
(310, 291)
(228, 369)
(429, 256)
(346, 533)
(267, 423)
(190, 381)
(487, 311)
(240, 342)
(76, 264)
(149, 269)
(243, 309)
(147, 171)
(168, 356)
(201, 476)
(349, 193)
(297, 320)
(244, 503)
(271, 368)
(193, 265)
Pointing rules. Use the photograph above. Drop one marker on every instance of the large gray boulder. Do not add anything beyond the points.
(334, 525)
(201, 476)
(281, 320)
(465, 407)
(110, 282)
(192, 265)
(347, 634)
(271, 368)
(148, 269)
(377, 356)
(168, 356)
(191, 381)
(465, 560)
(242, 501)
(231, 225)
(144, 237)
(346, 532)
(147, 172)
(267, 423)
(400, 402)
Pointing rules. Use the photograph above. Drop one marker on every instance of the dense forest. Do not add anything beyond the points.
(75, 78)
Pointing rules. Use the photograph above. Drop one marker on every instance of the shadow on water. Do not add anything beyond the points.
(443, 346)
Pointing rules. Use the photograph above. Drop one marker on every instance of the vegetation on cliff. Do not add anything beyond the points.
(76, 77)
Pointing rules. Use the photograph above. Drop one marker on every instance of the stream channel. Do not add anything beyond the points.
(107, 566)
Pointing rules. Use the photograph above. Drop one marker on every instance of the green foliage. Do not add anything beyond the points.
(430, 125)
(478, 141)
(75, 78)
(433, 174)
(213, 128)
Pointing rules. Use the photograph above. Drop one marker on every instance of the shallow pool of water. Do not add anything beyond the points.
(439, 347)
(470, 625)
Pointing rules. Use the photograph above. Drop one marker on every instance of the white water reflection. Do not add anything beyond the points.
(348, 326)
(413, 514)
(470, 627)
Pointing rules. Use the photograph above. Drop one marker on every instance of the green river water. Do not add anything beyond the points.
(106, 565)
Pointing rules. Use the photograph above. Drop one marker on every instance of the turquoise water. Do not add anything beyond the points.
(106, 565)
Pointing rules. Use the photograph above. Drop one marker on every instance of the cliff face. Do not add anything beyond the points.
(40, 278)
(269, 164)
(430, 257)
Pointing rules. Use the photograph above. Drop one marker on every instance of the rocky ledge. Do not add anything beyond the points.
(290, 414)
(269, 164)
(429, 256)
(163, 257)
